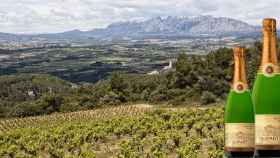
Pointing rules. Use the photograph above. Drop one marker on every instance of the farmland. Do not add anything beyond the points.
(92, 62)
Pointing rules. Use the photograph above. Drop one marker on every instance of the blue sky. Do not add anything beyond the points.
(40, 16)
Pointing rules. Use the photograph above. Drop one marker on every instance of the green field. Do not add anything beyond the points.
(121, 132)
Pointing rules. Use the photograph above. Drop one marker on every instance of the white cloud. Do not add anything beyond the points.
(33, 16)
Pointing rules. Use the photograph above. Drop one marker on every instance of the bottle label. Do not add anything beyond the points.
(269, 70)
(268, 129)
(239, 135)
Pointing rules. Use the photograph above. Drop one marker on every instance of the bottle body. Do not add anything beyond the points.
(239, 125)
(266, 98)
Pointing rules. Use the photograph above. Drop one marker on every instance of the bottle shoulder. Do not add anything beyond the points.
(239, 107)
(266, 94)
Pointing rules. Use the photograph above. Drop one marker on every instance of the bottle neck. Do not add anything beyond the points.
(239, 78)
(269, 52)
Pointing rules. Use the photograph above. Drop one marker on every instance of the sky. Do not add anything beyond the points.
(47, 16)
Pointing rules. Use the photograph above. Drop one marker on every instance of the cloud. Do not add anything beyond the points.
(34, 16)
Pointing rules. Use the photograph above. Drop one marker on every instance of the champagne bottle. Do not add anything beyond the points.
(266, 96)
(239, 114)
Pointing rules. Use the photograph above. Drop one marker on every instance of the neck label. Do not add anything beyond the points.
(269, 70)
(239, 87)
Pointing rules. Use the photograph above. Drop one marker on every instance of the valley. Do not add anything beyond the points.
(91, 62)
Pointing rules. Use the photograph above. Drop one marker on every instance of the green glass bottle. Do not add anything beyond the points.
(239, 113)
(266, 96)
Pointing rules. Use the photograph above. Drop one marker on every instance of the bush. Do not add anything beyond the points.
(208, 97)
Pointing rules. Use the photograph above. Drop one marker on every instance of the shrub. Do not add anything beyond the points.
(208, 97)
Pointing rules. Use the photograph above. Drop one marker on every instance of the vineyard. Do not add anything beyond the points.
(119, 132)
(56, 119)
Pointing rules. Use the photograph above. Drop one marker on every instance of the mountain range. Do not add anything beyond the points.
(159, 26)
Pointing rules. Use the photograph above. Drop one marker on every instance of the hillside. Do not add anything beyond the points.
(202, 79)
(161, 132)
(19, 92)
(22, 87)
